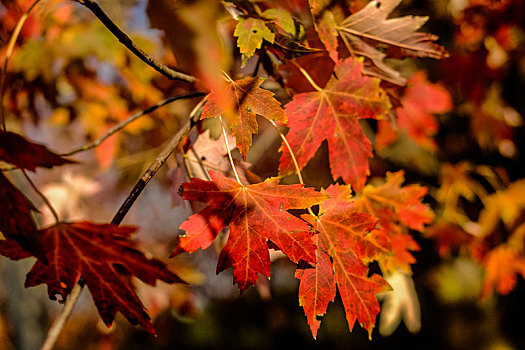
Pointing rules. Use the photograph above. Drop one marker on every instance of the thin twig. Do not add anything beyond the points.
(201, 164)
(155, 166)
(297, 169)
(126, 41)
(60, 321)
(229, 153)
(9, 52)
(121, 125)
(57, 326)
(131, 119)
(44, 198)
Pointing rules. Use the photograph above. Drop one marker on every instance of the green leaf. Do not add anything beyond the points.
(282, 18)
(251, 33)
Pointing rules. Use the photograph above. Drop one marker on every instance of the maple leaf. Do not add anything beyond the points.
(249, 100)
(447, 237)
(369, 27)
(255, 214)
(17, 150)
(325, 25)
(16, 221)
(251, 32)
(332, 114)
(420, 101)
(347, 241)
(502, 265)
(507, 205)
(403, 201)
(399, 304)
(103, 255)
(395, 206)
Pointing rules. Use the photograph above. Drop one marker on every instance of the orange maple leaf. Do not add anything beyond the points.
(502, 265)
(255, 214)
(248, 100)
(347, 241)
(396, 206)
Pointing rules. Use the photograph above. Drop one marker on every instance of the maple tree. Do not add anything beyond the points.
(358, 122)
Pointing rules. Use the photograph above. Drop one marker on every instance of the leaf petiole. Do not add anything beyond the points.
(307, 76)
(296, 165)
(229, 153)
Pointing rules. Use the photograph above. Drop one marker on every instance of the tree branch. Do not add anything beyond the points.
(131, 119)
(121, 125)
(126, 41)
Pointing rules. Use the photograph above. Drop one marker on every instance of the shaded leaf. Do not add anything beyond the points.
(332, 114)
(325, 25)
(396, 207)
(282, 18)
(192, 32)
(17, 150)
(16, 222)
(255, 214)
(369, 29)
(103, 255)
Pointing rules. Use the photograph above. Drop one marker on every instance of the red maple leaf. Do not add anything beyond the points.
(248, 101)
(104, 256)
(347, 241)
(16, 221)
(255, 214)
(420, 101)
(332, 114)
(24, 154)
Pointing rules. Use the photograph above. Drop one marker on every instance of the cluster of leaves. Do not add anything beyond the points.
(335, 78)
(480, 209)
(337, 244)
(103, 255)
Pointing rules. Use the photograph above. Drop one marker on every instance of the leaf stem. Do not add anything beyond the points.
(186, 163)
(9, 52)
(296, 165)
(229, 153)
(44, 198)
(201, 164)
(307, 76)
(126, 41)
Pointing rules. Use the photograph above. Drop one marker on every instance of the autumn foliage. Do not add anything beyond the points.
(358, 123)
